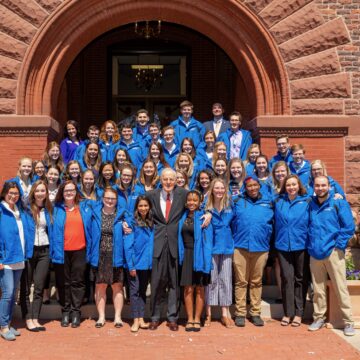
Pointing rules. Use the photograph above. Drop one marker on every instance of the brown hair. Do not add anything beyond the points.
(59, 162)
(60, 194)
(155, 177)
(34, 209)
(186, 103)
(276, 182)
(302, 190)
(98, 161)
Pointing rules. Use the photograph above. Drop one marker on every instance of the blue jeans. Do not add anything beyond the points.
(9, 282)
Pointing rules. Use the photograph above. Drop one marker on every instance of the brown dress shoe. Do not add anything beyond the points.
(154, 325)
(172, 325)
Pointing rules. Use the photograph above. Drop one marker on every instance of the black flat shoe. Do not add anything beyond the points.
(75, 321)
(99, 324)
(118, 324)
(35, 329)
(41, 328)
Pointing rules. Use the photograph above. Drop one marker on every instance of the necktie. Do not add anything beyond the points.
(217, 128)
(168, 207)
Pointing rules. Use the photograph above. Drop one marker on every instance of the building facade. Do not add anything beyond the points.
(290, 66)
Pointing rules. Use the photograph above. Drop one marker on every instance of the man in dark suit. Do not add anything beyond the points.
(168, 206)
(218, 124)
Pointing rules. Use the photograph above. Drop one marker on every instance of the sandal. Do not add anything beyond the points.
(285, 322)
(189, 326)
(207, 322)
(296, 323)
(197, 327)
(99, 324)
(118, 324)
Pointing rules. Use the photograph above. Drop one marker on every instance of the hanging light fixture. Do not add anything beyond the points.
(147, 31)
(148, 77)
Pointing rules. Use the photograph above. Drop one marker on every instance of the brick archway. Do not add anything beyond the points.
(233, 27)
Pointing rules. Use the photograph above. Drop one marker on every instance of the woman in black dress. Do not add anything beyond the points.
(195, 244)
(106, 254)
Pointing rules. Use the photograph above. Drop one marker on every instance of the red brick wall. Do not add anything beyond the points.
(329, 150)
(13, 148)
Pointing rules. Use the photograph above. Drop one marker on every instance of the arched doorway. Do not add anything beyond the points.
(102, 83)
(233, 28)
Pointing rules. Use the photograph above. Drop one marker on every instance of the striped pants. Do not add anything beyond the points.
(219, 292)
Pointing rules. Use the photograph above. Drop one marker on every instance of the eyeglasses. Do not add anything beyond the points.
(14, 194)
(109, 198)
(70, 191)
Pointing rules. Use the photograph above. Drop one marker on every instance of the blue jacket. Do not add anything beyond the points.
(288, 159)
(195, 130)
(58, 229)
(203, 240)
(245, 142)
(303, 173)
(335, 188)
(139, 248)
(331, 226)
(135, 151)
(253, 223)
(24, 198)
(171, 158)
(80, 151)
(93, 249)
(31, 228)
(143, 139)
(11, 251)
(127, 199)
(250, 168)
(223, 242)
(291, 223)
(266, 187)
(67, 149)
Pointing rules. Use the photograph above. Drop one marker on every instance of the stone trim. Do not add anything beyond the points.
(303, 132)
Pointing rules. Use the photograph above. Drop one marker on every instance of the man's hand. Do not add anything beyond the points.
(207, 219)
(132, 273)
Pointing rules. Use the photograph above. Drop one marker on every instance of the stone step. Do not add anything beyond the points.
(269, 309)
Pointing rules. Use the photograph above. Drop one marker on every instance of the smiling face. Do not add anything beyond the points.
(12, 197)
(317, 170)
(217, 110)
(142, 119)
(183, 162)
(120, 157)
(204, 181)
(88, 180)
(39, 169)
(221, 151)
(149, 169)
(109, 129)
(93, 151)
(186, 112)
(154, 152)
(298, 156)
(187, 147)
(126, 177)
(52, 176)
(280, 173)
(235, 122)
(321, 187)
(180, 180)
(154, 132)
(107, 172)
(218, 190)
(252, 188)
(168, 180)
(25, 168)
(69, 193)
(109, 201)
(93, 135)
(40, 194)
(236, 170)
(126, 134)
(74, 171)
(220, 167)
(71, 130)
(210, 140)
(54, 153)
(143, 208)
(169, 136)
(192, 202)
(254, 153)
(283, 145)
(261, 164)
(292, 187)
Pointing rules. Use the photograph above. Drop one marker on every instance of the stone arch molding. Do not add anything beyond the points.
(284, 49)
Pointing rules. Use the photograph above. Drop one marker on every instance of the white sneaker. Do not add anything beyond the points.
(349, 330)
(316, 325)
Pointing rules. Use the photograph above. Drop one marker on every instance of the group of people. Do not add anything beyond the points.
(191, 206)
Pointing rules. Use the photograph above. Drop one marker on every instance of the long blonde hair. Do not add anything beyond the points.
(190, 170)
(225, 201)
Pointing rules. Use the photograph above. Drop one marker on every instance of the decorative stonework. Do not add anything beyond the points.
(303, 132)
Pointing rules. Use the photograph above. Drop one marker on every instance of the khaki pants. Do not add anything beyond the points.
(248, 270)
(334, 265)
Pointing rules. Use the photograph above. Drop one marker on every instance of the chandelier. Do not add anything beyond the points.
(147, 31)
(148, 77)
